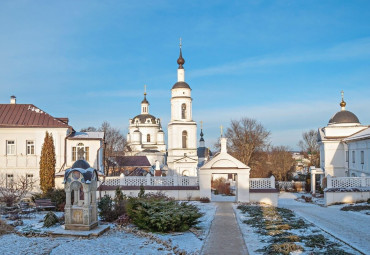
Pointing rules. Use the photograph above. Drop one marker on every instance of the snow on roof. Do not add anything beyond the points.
(363, 134)
(87, 135)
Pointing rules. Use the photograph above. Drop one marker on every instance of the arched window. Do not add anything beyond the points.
(183, 111)
(184, 139)
(80, 152)
(185, 173)
(148, 138)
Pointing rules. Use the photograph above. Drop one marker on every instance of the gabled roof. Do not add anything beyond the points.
(224, 161)
(363, 134)
(125, 161)
(28, 115)
(86, 136)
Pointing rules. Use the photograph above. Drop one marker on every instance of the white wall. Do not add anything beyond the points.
(345, 197)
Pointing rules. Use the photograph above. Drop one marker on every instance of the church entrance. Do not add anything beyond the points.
(224, 187)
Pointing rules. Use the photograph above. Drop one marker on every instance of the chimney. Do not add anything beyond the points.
(13, 100)
(223, 145)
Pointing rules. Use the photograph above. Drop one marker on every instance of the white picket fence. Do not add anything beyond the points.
(151, 181)
(255, 183)
(347, 182)
(262, 183)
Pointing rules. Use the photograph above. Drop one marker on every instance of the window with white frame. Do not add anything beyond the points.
(29, 180)
(9, 180)
(30, 147)
(10, 147)
(80, 152)
(353, 157)
(362, 157)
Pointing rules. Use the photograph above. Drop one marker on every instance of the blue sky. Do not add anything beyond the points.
(283, 63)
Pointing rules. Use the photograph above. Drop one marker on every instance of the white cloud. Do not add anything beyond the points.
(353, 49)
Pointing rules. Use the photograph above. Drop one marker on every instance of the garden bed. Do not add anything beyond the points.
(272, 230)
(33, 238)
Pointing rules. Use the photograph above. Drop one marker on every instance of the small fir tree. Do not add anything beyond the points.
(47, 164)
(142, 191)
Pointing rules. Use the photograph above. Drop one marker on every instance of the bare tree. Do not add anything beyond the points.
(246, 137)
(115, 142)
(12, 192)
(310, 147)
(281, 162)
(89, 129)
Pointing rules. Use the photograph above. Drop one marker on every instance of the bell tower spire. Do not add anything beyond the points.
(342, 104)
(144, 103)
(180, 62)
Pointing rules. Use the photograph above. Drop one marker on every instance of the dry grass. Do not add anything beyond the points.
(5, 228)
(284, 248)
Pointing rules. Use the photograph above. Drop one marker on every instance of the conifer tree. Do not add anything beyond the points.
(47, 164)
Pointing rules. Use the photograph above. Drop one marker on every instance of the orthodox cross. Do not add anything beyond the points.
(180, 42)
(201, 124)
(221, 130)
(144, 89)
(342, 93)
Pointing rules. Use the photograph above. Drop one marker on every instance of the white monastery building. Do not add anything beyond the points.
(22, 132)
(182, 156)
(344, 145)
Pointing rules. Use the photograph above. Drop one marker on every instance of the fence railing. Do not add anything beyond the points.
(291, 185)
(151, 181)
(347, 182)
(255, 183)
(262, 183)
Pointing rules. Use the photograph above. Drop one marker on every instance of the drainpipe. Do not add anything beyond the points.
(65, 153)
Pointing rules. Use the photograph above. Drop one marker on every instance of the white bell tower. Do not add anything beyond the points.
(182, 141)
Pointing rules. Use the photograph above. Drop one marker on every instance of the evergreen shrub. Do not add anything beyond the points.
(162, 214)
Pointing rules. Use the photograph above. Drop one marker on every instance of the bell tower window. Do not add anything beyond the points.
(148, 138)
(184, 139)
(183, 111)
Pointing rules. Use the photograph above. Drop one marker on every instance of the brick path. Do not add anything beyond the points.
(225, 236)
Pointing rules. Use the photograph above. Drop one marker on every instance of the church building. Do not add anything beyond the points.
(344, 145)
(145, 136)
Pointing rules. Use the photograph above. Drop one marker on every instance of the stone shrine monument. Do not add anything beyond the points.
(80, 185)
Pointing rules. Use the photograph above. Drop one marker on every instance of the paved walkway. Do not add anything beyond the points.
(225, 236)
(350, 227)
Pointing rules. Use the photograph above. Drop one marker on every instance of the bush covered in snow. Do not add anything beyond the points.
(162, 214)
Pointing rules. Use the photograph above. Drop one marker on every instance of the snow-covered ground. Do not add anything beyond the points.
(256, 241)
(222, 198)
(115, 241)
(351, 227)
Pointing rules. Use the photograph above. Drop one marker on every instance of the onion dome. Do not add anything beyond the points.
(181, 60)
(145, 101)
(344, 116)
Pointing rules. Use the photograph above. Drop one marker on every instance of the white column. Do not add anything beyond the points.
(148, 179)
(329, 183)
(363, 180)
(272, 182)
(122, 179)
(313, 182)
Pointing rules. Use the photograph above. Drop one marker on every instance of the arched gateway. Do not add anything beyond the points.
(224, 163)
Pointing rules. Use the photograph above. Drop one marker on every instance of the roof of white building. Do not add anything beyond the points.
(28, 115)
(86, 135)
(363, 134)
